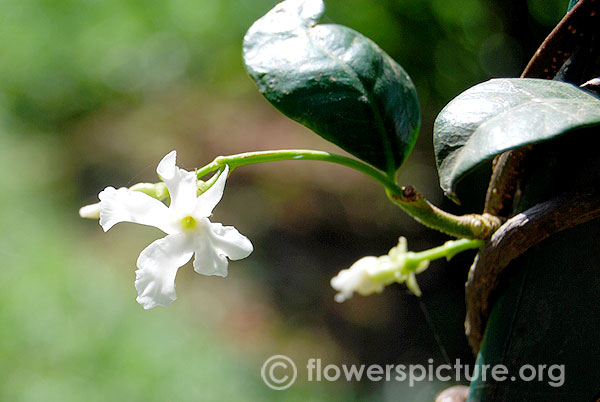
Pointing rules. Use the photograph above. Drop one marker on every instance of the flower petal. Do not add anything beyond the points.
(157, 266)
(181, 184)
(208, 261)
(214, 244)
(229, 242)
(208, 200)
(124, 205)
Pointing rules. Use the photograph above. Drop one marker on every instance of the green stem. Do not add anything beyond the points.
(407, 198)
(250, 158)
(447, 250)
(472, 226)
(412, 261)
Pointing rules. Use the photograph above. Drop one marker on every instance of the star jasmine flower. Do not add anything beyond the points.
(371, 274)
(188, 230)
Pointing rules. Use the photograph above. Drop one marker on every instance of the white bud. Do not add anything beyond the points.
(357, 278)
(90, 211)
(371, 274)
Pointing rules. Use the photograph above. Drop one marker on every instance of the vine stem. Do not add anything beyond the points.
(447, 250)
(406, 197)
(520, 233)
(250, 158)
(416, 262)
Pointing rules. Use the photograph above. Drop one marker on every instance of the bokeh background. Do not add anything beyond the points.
(95, 92)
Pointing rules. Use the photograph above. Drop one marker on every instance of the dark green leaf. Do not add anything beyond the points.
(504, 114)
(335, 81)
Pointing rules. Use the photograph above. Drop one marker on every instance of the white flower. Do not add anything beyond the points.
(371, 274)
(185, 221)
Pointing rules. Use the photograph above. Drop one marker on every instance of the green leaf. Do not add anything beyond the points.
(335, 81)
(504, 114)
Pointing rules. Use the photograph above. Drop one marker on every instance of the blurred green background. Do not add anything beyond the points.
(95, 92)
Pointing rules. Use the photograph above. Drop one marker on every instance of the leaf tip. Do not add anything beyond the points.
(452, 196)
(288, 16)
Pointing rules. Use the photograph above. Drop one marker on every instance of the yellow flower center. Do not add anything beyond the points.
(188, 222)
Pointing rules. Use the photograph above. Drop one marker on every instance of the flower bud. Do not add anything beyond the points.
(154, 190)
(357, 279)
(90, 211)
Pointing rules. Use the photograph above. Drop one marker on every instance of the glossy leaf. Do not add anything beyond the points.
(504, 114)
(335, 81)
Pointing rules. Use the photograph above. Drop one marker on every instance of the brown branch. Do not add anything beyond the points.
(516, 236)
(507, 172)
(564, 39)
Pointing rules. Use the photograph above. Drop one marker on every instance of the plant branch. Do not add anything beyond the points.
(472, 226)
(563, 41)
(516, 236)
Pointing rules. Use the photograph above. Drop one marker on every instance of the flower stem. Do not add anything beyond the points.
(405, 197)
(446, 250)
(412, 261)
(250, 158)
